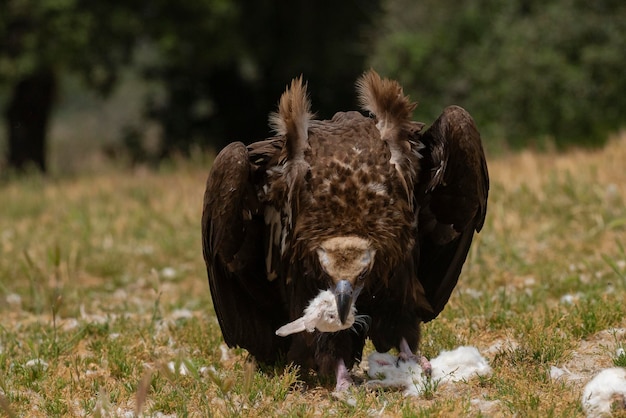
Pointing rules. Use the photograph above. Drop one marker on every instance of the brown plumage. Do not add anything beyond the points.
(369, 207)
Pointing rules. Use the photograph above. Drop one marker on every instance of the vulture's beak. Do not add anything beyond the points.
(345, 295)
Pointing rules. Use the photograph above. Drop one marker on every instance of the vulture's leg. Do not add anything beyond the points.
(344, 381)
(336, 353)
(406, 354)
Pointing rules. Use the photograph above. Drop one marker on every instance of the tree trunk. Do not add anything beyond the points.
(27, 118)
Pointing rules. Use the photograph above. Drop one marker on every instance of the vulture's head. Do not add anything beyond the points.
(347, 260)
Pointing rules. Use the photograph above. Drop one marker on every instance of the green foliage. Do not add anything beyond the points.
(218, 62)
(88, 37)
(530, 72)
(524, 69)
(231, 60)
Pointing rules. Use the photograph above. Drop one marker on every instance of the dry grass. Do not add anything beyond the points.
(106, 311)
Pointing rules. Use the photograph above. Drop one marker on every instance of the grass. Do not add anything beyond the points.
(105, 308)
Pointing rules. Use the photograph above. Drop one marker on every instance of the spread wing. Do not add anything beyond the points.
(452, 195)
(247, 305)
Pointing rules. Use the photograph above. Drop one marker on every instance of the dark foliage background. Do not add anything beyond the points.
(530, 72)
(527, 70)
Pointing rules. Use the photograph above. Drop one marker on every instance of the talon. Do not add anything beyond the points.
(406, 354)
(344, 381)
(427, 368)
(405, 357)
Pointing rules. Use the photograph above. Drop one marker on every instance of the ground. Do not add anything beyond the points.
(105, 306)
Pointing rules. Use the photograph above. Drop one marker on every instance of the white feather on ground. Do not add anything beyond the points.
(459, 364)
(456, 365)
(605, 391)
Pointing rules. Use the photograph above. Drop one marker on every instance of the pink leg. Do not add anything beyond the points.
(344, 381)
(406, 354)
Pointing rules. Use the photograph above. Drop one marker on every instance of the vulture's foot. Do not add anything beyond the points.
(344, 381)
(427, 368)
(406, 354)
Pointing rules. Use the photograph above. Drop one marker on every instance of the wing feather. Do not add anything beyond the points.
(246, 303)
(452, 195)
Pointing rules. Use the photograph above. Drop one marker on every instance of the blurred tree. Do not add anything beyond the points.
(40, 39)
(224, 64)
(27, 118)
(524, 68)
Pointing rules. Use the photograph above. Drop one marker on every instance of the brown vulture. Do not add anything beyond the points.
(368, 207)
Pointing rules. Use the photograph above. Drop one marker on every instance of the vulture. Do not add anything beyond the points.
(367, 206)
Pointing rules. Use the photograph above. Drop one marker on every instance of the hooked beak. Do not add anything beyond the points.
(344, 295)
